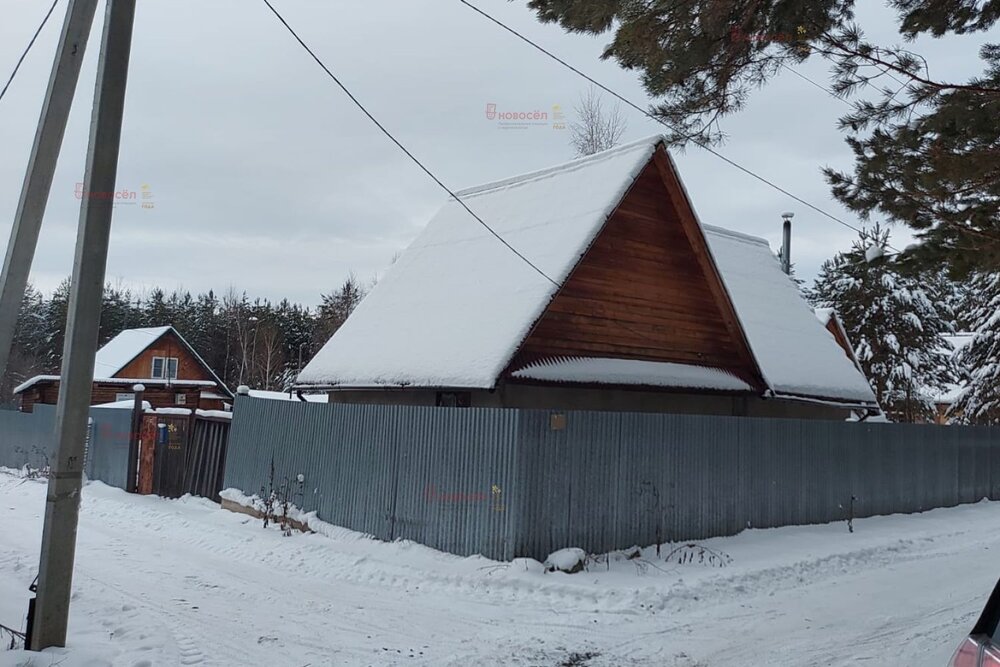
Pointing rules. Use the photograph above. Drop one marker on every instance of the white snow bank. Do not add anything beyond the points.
(570, 559)
(217, 570)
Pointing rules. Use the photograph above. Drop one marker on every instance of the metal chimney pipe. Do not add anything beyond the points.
(786, 243)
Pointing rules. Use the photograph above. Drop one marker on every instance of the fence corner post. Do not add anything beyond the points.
(132, 474)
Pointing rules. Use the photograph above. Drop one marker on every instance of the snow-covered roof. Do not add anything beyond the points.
(457, 304)
(631, 372)
(795, 353)
(123, 348)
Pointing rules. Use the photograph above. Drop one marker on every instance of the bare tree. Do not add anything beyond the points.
(268, 355)
(596, 128)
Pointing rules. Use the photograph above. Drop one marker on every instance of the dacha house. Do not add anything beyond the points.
(594, 287)
(171, 371)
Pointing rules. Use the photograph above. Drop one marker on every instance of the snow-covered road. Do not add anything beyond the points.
(184, 583)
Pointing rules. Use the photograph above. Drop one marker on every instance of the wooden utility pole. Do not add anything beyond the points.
(62, 503)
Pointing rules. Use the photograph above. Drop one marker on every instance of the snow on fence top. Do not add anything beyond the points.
(457, 304)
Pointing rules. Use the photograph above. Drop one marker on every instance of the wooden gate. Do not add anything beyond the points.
(181, 454)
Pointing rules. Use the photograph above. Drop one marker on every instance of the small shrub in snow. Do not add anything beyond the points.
(570, 560)
(698, 553)
(11, 639)
(276, 502)
(36, 463)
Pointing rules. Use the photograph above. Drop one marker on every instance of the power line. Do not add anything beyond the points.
(818, 85)
(28, 48)
(399, 145)
(657, 119)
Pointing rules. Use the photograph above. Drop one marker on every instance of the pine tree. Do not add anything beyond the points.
(156, 310)
(118, 312)
(335, 308)
(924, 148)
(55, 312)
(895, 324)
(28, 355)
(980, 402)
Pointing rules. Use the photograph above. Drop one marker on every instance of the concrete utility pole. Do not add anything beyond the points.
(41, 167)
(62, 504)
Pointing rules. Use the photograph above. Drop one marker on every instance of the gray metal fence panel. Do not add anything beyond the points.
(29, 439)
(26, 439)
(107, 450)
(510, 483)
(442, 477)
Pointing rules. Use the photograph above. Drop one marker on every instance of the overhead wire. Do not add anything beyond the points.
(400, 145)
(27, 50)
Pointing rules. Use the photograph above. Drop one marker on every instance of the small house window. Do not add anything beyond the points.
(454, 399)
(180, 399)
(164, 368)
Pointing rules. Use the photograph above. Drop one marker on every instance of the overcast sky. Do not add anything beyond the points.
(263, 175)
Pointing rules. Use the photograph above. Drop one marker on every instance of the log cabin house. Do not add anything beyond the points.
(599, 290)
(172, 372)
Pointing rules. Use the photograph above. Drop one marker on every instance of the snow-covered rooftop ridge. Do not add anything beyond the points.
(737, 236)
(631, 372)
(123, 348)
(555, 170)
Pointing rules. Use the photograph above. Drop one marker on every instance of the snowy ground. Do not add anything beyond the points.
(184, 583)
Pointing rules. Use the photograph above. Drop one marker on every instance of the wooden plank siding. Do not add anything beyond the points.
(47, 393)
(644, 291)
(167, 345)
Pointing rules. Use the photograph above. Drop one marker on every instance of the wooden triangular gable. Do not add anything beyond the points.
(646, 289)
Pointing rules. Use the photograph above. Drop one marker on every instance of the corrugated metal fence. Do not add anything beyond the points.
(29, 439)
(509, 483)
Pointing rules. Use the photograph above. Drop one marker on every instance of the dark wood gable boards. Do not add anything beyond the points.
(646, 289)
(169, 345)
